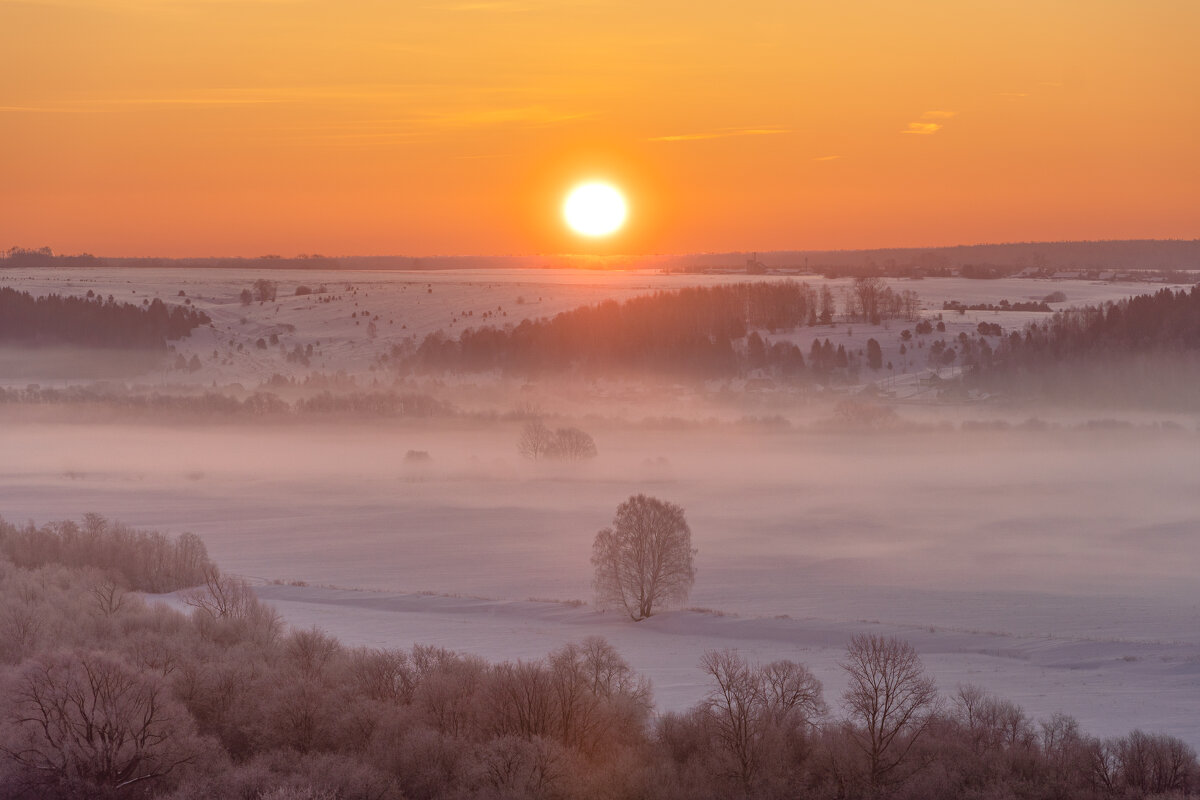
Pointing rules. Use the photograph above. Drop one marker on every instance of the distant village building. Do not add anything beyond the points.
(754, 266)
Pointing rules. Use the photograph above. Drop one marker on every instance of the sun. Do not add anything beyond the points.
(594, 209)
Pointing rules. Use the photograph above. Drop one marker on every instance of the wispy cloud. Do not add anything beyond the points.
(425, 106)
(925, 126)
(721, 134)
(826, 158)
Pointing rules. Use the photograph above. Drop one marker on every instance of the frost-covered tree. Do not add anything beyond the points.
(535, 439)
(754, 708)
(571, 444)
(890, 701)
(645, 559)
(90, 722)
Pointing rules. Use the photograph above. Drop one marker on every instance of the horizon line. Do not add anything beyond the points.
(620, 256)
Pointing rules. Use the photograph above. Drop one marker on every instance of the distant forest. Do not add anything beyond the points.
(1165, 321)
(1154, 339)
(972, 261)
(218, 405)
(93, 321)
(21, 257)
(689, 331)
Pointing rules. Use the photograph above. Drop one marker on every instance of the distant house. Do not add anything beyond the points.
(754, 266)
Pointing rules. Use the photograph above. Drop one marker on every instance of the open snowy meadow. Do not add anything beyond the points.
(1053, 564)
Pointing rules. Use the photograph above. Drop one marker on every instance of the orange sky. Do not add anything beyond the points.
(242, 127)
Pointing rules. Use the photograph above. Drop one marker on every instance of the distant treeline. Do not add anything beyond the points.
(105, 696)
(45, 257)
(1142, 348)
(1164, 256)
(688, 331)
(217, 404)
(145, 561)
(1164, 321)
(1003, 305)
(93, 321)
(970, 261)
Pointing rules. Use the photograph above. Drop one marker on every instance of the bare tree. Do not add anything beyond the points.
(890, 701)
(384, 675)
(596, 694)
(753, 707)
(227, 602)
(519, 700)
(571, 444)
(645, 558)
(221, 596)
(866, 295)
(109, 595)
(1151, 764)
(991, 723)
(91, 720)
(535, 440)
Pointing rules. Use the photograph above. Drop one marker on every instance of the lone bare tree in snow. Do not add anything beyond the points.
(890, 701)
(645, 559)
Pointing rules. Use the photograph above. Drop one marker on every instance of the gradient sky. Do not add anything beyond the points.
(243, 127)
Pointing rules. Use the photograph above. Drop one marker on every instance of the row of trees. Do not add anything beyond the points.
(145, 561)
(130, 700)
(1165, 321)
(538, 443)
(1144, 350)
(870, 299)
(688, 331)
(252, 406)
(93, 321)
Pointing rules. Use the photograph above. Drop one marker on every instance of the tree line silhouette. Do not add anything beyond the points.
(93, 321)
(689, 331)
(1167, 320)
(1143, 349)
(212, 404)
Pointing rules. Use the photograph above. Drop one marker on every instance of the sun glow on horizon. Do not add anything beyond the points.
(595, 209)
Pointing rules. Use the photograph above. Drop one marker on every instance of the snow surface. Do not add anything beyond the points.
(1055, 568)
(414, 304)
(1111, 687)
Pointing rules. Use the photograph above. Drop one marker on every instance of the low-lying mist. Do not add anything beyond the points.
(931, 523)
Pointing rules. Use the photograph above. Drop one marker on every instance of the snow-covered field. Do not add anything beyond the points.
(1056, 568)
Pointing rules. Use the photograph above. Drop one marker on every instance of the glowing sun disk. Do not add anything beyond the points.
(594, 209)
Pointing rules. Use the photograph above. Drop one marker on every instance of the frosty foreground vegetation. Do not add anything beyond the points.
(103, 695)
